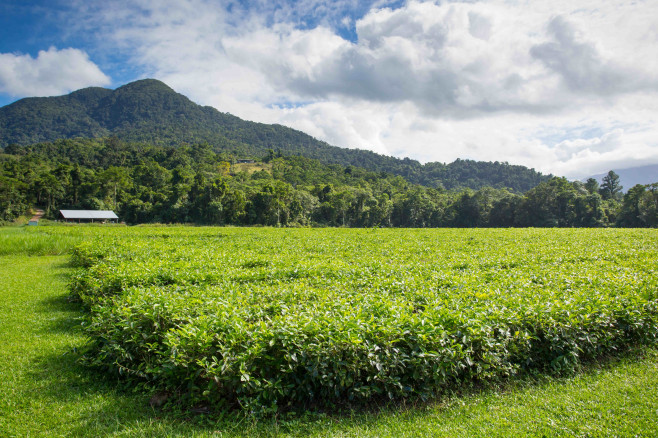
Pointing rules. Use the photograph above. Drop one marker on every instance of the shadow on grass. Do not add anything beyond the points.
(99, 404)
(110, 406)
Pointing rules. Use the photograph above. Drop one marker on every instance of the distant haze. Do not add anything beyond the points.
(634, 175)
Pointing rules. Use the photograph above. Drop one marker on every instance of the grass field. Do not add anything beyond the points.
(250, 168)
(47, 392)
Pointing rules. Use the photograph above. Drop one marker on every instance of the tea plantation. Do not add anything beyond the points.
(271, 320)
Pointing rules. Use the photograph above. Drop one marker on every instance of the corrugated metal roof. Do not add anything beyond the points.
(88, 214)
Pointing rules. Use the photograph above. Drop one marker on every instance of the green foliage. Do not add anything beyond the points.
(640, 207)
(193, 184)
(273, 319)
(148, 111)
(610, 188)
(46, 391)
(13, 202)
(592, 185)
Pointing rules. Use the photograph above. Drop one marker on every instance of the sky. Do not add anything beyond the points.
(568, 87)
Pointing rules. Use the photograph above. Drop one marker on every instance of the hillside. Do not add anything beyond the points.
(149, 111)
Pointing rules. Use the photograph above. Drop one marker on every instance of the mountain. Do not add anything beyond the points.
(151, 112)
(633, 175)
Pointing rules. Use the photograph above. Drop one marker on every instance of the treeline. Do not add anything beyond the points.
(145, 183)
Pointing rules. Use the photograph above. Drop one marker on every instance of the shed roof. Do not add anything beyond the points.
(88, 214)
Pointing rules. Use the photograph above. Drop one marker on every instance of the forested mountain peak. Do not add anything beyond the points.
(149, 111)
(146, 84)
(86, 96)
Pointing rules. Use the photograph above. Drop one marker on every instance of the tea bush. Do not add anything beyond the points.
(269, 319)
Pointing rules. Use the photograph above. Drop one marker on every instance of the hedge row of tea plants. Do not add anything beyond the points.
(268, 319)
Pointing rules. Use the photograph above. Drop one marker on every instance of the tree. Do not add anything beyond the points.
(610, 187)
(550, 204)
(649, 206)
(235, 203)
(224, 168)
(302, 206)
(181, 182)
(270, 156)
(414, 209)
(503, 211)
(281, 193)
(474, 209)
(592, 185)
(12, 200)
(116, 179)
(380, 214)
(339, 203)
(629, 215)
(49, 189)
(589, 211)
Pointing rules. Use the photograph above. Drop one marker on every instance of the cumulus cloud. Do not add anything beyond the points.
(405, 55)
(431, 80)
(456, 59)
(52, 72)
(580, 65)
(568, 149)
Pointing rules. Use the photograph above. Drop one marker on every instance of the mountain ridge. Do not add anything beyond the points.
(150, 111)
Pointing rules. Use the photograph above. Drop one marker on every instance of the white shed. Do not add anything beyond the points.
(88, 215)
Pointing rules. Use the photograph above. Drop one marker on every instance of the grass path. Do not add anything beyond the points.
(45, 392)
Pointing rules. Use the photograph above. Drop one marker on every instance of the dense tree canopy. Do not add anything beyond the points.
(196, 184)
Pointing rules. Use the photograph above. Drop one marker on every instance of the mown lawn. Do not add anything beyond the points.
(44, 391)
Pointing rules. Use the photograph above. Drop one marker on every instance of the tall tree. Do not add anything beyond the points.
(611, 186)
(629, 215)
(649, 206)
(592, 185)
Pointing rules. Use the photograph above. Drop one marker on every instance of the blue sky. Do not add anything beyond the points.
(568, 86)
(28, 27)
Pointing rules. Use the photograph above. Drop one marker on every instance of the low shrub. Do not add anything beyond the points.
(277, 319)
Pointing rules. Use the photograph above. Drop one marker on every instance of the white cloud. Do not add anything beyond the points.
(52, 72)
(567, 86)
(568, 149)
(582, 68)
(457, 60)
